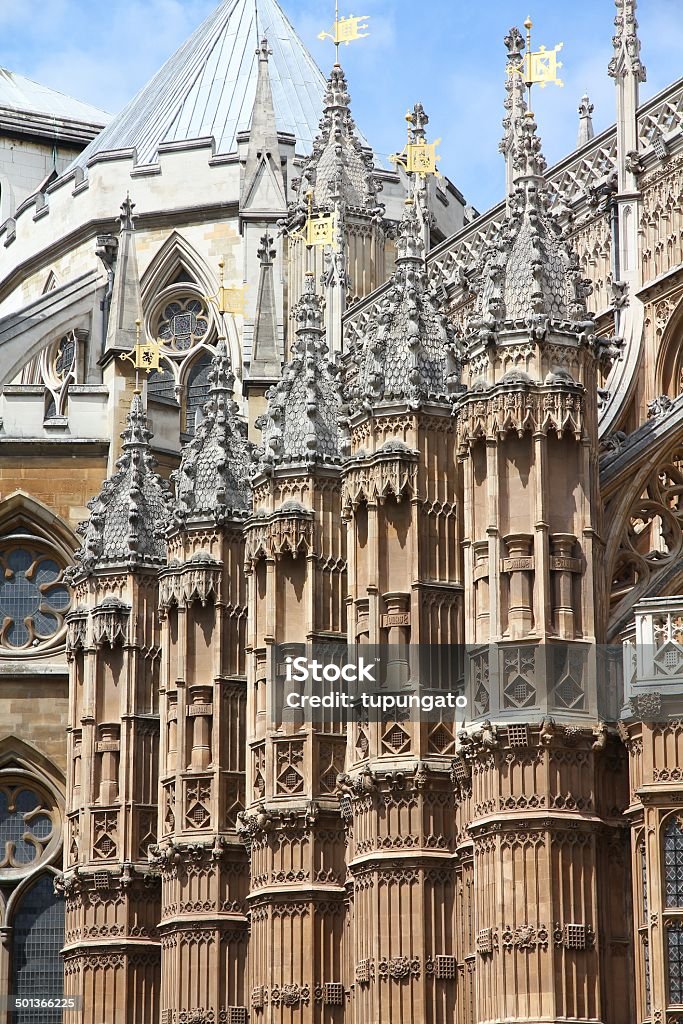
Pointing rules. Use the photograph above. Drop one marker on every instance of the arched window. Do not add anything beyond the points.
(673, 863)
(197, 391)
(38, 936)
(33, 598)
(30, 848)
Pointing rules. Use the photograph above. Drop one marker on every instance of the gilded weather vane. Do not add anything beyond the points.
(346, 30)
(418, 156)
(540, 66)
(319, 229)
(228, 298)
(145, 355)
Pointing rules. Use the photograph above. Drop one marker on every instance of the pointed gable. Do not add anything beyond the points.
(263, 188)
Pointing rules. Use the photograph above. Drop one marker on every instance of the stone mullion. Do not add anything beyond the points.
(541, 554)
(194, 862)
(107, 894)
(493, 536)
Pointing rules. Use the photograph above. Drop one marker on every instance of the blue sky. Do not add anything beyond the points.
(448, 54)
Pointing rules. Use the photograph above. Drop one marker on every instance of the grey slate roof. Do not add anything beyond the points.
(340, 163)
(207, 88)
(19, 93)
(126, 517)
(213, 476)
(529, 270)
(407, 353)
(301, 423)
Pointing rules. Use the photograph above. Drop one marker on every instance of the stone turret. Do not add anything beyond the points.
(202, 700)
(301, 422)
(400, 494)
(113, 737)
(338, 179)
(407, 353)
(123, 529)
(527, 427)
(212, 479)
(296, 566)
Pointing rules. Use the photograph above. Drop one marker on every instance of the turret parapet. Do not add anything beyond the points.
(124, 528)
(212, 479)
(408, 352)
(301, 423)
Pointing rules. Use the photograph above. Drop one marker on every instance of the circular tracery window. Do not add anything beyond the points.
(33, 598)
(29, 826)
(182, 323)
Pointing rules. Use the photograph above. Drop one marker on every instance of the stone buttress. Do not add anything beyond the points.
(202, 601)
(296, 571)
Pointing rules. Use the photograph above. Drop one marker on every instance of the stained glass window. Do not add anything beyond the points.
(161, 383)
(675, 962)
(33, 600)
(197, 391)
(673, 863)
(26, 826)
(182, 323)
(38, 936)
(643, 879)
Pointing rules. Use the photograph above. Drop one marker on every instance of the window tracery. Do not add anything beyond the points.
(31, 828)
(673, 864)
(33, 596)
(182, 320)
(56, 368)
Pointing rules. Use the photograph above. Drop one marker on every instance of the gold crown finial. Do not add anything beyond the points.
(528, 23)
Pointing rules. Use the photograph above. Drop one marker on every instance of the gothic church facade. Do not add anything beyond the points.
(436, 431)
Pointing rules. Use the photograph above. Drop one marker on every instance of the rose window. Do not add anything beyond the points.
(183, 323)
(33, 598)
(28, 822)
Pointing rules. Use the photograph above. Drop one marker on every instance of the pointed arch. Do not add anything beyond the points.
(669, 362)
(175, 256)
(20, 513)
(22, 755)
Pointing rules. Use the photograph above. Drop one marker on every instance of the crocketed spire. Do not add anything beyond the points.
(125, 525)
(339, 166)
(213, 477)
(626, 59)
(301, 423)
(529, 271)
(407, 353)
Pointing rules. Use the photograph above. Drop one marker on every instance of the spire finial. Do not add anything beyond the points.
(267, 252)
(264, 51)
(626, 60)
(127, 216)
(409, 241)
(586, 132)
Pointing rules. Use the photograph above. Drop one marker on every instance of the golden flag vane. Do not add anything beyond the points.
(145, 355)
(228, 298)
(346, 30)
(418, 157)
(318, 230)
(540, 66)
